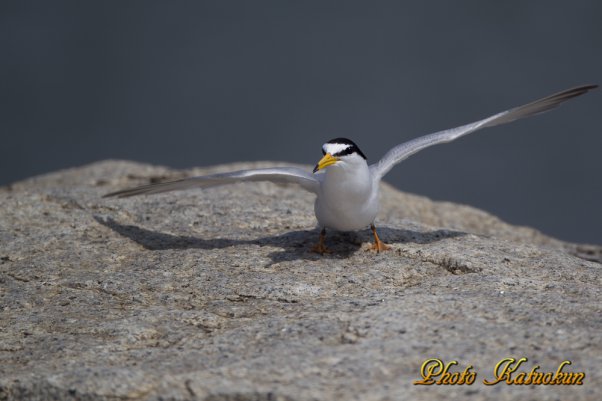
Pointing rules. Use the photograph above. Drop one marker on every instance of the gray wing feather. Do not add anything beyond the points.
(278, 175)
(405, 150)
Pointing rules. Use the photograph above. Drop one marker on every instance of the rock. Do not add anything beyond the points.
(214, 295)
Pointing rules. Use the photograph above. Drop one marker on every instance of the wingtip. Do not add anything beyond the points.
(582, 88)
(112, 195)
(124, 193)
(579, 90)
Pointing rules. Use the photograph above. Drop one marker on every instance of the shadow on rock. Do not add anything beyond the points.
(295, 244)
(402, 236)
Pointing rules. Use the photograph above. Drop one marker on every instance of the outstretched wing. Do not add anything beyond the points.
(278, 175)
(405, 150)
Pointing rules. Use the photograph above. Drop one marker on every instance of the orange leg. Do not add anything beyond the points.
(378, 245)
(320, 247)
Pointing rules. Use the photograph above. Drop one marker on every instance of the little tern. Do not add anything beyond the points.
(346, 187)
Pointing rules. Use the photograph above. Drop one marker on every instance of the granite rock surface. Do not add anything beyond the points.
(215, 295)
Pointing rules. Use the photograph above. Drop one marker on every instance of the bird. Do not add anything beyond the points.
(345, 185)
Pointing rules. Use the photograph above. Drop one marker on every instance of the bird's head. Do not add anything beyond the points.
(340, 151)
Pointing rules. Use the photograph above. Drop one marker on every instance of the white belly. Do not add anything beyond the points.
(346, 206)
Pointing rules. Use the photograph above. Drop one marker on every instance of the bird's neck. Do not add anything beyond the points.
(350, 179)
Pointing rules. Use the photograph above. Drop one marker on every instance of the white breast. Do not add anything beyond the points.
(348, 198)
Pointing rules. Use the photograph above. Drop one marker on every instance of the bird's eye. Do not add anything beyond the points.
(323, 152)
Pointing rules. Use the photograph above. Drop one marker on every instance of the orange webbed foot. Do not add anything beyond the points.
(320, 247)
(378, 245)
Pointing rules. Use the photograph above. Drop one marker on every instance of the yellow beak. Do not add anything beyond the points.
(326, 161)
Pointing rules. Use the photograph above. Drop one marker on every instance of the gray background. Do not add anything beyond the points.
(199, 83)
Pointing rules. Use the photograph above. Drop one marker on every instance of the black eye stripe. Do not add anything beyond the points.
(344, 152)
(350, 150)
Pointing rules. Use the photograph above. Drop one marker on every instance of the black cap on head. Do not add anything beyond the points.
(344, 150)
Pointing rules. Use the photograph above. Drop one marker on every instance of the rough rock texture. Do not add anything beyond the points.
(214, 295)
